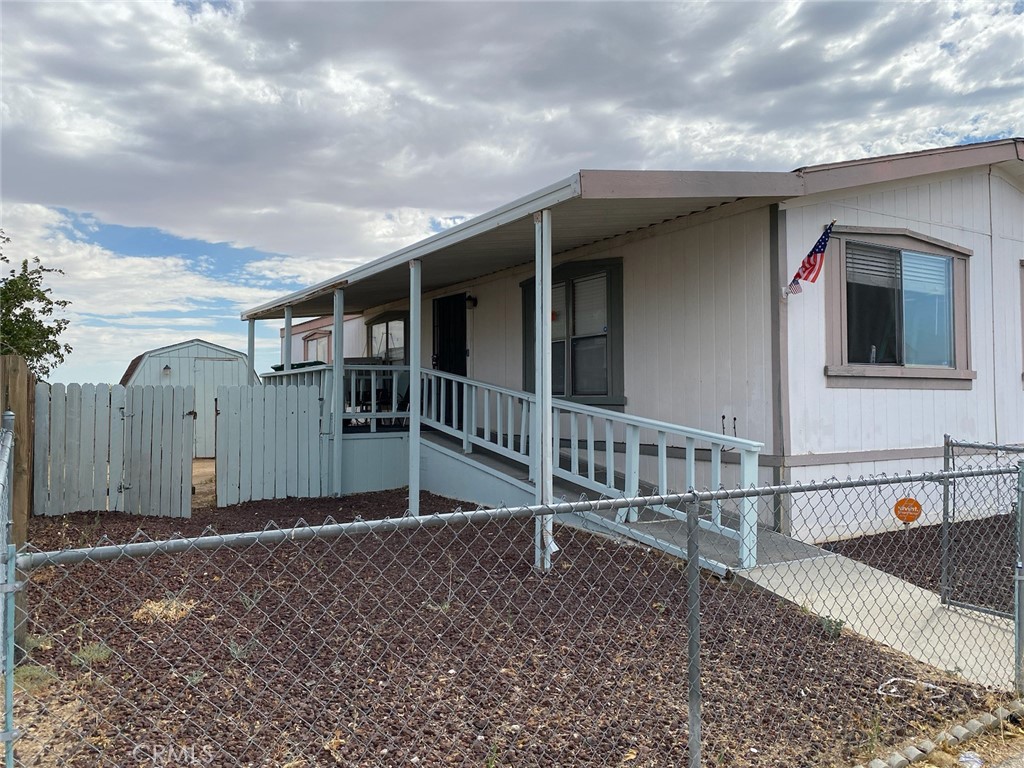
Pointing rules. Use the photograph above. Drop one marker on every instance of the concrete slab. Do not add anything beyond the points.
(896, 613)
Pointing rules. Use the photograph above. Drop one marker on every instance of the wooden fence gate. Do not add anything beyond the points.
(101, 447)
(269, 443)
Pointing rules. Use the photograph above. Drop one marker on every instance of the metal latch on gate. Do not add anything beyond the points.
(6, 736)
(121, 487)
(14, 586)
(193, 414)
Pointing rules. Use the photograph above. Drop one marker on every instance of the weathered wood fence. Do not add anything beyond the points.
(269, 443)
(101, 447)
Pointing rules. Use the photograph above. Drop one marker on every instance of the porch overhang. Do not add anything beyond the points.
(591, 206)
(587, 207)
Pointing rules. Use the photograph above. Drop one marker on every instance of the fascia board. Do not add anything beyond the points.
(828, 178)
(640, 185)
(517, 209)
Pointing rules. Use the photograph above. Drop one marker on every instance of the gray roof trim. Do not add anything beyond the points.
(517, 209)
(653, 185)
(875, 170)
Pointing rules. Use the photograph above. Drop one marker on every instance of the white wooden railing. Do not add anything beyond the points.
(479, 414)
(375, 395)
(598, 449)
(595, 448)
(586, 435)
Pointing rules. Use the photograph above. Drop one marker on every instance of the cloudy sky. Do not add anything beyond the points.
(182, 161)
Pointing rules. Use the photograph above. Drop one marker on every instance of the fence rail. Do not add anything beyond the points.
(479, 414)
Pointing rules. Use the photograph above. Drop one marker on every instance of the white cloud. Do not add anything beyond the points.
(336, 132)
(123, 305)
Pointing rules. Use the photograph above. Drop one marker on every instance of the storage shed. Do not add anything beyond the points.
(201, 364)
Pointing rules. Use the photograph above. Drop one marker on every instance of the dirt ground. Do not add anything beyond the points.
(204, 483)
(439, 647)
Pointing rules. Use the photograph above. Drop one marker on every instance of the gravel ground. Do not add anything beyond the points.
(983, 553)
(440, 647)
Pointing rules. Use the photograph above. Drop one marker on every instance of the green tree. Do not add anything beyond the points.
(27, 323)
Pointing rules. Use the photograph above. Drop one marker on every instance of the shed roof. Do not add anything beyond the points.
(594, 205)
(133, 366)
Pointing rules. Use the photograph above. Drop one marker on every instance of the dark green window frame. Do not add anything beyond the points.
(566, 274)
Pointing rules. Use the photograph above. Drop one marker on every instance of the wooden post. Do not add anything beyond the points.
(17, 394)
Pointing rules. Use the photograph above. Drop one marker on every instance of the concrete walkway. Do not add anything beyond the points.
(896, 613)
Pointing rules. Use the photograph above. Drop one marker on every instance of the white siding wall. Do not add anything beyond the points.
(698, 327)
(1008, 348)
(954, 208)
(202, 365)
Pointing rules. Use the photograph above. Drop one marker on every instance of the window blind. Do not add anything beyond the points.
(590, 306)
(871, 265)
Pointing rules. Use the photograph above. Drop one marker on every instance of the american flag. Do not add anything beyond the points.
(810, 267)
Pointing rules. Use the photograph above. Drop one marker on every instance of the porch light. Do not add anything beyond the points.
(167, 370)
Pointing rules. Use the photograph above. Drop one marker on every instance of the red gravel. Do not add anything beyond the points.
(435, 648)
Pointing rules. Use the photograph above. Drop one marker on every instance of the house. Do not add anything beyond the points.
(635, 323)
(310, 341)
(197, 363)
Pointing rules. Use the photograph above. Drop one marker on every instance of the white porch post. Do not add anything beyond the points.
(287, 339)
(415, 313)
(338, 388)
(544, 543)
(251, 351)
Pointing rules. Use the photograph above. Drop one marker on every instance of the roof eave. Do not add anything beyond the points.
(855, 173)
(553, 194)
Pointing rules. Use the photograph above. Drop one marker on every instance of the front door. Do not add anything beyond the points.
(450, 352)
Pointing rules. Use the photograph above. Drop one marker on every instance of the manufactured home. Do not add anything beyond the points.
(197, 363)
(619, 331)
(311, 342)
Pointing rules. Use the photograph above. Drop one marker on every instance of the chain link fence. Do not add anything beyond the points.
(979, 536)
(434, 641)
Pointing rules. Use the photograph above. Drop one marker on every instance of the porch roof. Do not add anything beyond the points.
(587, 207)
(594, 205)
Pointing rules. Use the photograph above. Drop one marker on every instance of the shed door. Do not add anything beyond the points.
(208, 373)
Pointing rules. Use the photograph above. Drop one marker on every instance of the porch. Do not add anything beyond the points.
(536, 373)
(477, 443)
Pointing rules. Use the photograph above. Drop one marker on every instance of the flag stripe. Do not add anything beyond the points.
(811, 266)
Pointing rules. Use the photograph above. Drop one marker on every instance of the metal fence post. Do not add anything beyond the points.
(1018, 590)
(693, 629)
(8, 583)
(944, 589)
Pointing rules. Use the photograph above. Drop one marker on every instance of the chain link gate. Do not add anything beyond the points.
(980, 529)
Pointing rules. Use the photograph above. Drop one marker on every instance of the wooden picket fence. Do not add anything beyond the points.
(100, 447)
(269, 443)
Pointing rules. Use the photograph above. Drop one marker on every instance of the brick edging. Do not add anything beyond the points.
(951, 736)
